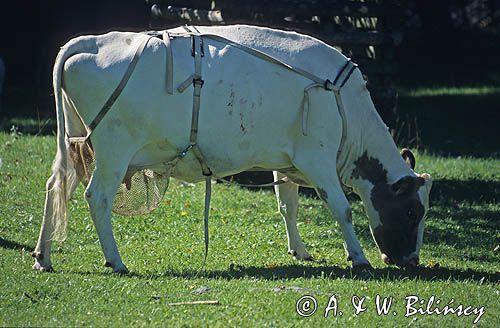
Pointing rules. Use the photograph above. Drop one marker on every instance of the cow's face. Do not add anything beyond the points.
(401, 208)
(396, 211)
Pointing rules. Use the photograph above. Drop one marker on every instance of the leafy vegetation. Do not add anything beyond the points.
(248, 271)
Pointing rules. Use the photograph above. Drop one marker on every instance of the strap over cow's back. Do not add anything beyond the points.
(119, 88)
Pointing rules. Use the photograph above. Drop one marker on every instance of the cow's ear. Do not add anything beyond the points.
(408, 157)
(403, 185)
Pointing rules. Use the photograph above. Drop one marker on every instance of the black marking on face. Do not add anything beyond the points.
(398, 206)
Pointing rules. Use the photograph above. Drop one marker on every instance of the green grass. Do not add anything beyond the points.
(248, 270)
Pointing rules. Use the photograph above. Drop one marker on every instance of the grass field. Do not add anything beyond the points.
(248, 271)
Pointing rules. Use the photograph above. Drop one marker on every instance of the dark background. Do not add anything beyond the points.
(445, 43)
(32, 32)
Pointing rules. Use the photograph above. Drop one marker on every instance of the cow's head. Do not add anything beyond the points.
(396, 210)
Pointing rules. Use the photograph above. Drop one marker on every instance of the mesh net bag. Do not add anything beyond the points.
(142, 195)
(139, 193)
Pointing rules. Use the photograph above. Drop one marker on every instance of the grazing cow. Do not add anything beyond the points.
(267, 102)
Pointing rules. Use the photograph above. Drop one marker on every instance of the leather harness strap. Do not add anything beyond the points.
(339, 81)
(267, 57)
(170, 63)
(197, 52)
(119, 88)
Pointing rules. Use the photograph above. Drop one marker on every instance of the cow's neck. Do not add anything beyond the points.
(369, 142)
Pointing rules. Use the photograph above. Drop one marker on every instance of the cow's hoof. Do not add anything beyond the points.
(42, 268)
(117, 268)
(121, 270)
(301, 256)
(308, 258)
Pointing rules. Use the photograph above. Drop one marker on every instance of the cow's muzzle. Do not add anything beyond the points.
(406, 261)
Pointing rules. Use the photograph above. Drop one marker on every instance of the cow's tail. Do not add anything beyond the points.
(62, 170)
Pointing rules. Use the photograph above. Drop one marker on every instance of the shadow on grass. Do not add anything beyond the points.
(8, 244)
(468, 228)
(473, 226)
(471, 190)
(301, 271)
(464, 229)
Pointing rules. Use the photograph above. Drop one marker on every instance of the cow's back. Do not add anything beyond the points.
(299, 50)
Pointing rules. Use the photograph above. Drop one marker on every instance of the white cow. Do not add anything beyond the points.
(251, 116)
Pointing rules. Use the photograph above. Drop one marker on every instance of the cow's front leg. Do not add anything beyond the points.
(338, 204)
(287, 195)
(100, 194)
(328, 187)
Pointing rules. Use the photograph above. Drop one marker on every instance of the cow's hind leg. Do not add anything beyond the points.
(100, 193)
(322, 175)
(287, 195)
(42, 251)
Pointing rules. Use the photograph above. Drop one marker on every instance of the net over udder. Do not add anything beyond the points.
(140, 192)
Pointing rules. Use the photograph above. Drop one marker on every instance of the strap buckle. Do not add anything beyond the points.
(328, 85)
(207, 172)
(198, 81)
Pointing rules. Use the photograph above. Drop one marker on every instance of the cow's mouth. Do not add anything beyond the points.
(410, 261)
